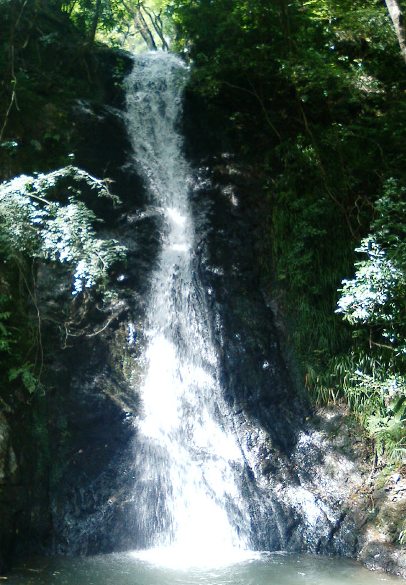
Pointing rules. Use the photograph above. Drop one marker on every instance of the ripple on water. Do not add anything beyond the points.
(149, 568)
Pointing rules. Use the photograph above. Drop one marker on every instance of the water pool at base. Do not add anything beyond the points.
(262, 569)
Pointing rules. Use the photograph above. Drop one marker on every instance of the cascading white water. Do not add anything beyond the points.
(189, 461)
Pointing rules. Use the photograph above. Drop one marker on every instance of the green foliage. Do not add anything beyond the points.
(27, 376)
(374, 302)
(371, 376)
(42, 220)
(90, 15)
(17, 337)
(389, 224)
(380, 402)
(376, 296)
(402, 534)
(49, 230)
(119, 23)
(5, 334)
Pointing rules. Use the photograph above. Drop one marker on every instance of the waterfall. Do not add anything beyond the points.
(191, 465)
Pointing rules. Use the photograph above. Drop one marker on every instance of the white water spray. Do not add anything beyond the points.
(189, 460)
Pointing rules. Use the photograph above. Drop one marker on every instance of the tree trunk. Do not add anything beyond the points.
(395, 12)
(157, 25)
(95, 21)
(144, 29)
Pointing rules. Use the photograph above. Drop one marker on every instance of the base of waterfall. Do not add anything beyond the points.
(182, 558)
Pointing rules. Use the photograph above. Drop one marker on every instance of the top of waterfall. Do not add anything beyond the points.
(158, 61)
(154, 106)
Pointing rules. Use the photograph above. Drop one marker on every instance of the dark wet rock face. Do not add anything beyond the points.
(308, 477)
(90, 433)
(298, 479)
(8, 492)
(254, 376)
(93, 378)
(24, 498)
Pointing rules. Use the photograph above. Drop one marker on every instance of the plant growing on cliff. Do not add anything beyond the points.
(375, 296)
(43, 220)
(373, 302)
(56, 231)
